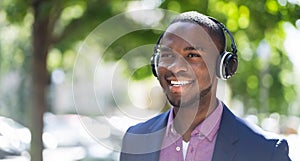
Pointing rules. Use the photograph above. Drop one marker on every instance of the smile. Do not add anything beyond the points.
(178, 83)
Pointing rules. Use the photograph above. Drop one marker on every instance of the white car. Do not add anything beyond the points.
(14, 139)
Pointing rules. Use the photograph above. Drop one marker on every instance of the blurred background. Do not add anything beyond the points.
(56, 106)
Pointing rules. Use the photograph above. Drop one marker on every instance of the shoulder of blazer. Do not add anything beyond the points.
(237, 128)
(154, 124)
(246, 141)
(143, 140)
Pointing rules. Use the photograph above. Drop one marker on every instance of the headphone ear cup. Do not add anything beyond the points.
(226, 65)
(155, 57)
(154, 64)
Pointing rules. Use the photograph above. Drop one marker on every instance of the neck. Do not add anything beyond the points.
(188, 118)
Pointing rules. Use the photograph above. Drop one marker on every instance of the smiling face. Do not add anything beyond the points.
(186, 67)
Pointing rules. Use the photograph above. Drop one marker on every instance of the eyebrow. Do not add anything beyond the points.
(164, 48)
(192, 48)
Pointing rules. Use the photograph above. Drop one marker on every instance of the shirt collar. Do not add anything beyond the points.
(208, 128)
(170, 126)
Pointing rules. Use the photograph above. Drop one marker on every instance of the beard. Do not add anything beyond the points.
(195, 101)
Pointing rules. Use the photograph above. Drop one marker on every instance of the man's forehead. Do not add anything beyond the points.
(190, 33)
(184, 28)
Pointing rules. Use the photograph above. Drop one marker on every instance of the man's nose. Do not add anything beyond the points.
(179, 65)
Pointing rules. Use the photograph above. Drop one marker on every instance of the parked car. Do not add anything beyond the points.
(14, 139)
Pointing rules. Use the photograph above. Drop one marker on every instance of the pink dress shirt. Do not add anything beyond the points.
(201, 144)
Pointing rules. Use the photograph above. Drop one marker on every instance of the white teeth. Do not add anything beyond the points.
(179, 83)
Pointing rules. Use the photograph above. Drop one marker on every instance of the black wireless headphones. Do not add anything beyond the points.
(227, 62)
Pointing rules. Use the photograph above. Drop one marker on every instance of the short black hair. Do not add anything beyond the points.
(213, 29)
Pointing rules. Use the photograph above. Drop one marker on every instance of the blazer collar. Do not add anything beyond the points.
(160, 123)
(225, 148)
(158, 129)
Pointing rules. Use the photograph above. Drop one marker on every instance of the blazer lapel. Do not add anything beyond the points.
(159, 129)
(160, 123)
(225, 148)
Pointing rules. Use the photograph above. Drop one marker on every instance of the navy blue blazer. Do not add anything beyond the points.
(236, 141)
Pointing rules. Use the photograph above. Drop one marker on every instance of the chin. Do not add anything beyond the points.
(184, 102)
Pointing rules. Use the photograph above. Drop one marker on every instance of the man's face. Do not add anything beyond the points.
(187, 61)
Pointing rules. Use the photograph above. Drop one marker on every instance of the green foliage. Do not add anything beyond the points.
(141, 73)
(251, 22)
(78, 27)
(15, 9)
(137, 38)
(264, 79)
(264, 84)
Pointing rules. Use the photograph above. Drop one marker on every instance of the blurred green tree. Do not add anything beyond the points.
(55, 24)
(58, 25)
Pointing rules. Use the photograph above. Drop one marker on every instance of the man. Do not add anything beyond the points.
(189, 58)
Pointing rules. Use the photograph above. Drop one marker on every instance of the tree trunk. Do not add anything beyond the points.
(40, 46)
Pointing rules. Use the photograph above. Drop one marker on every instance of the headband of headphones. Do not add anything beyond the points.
(223, 27)
(227, 62)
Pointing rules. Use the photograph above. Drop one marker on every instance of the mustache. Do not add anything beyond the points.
(179, 75)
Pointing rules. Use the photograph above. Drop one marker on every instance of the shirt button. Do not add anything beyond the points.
(177, 148)
(201, 136)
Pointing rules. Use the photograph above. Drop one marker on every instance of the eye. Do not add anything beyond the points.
(192, 55)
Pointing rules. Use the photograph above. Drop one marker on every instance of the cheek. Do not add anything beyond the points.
(161, 71)
(202, 73)
(210, 65)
